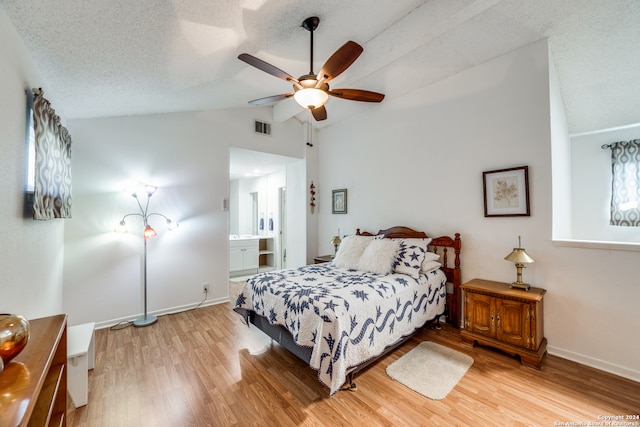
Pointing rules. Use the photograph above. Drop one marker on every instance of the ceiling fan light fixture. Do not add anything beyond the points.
(311, 91)
(311, 98)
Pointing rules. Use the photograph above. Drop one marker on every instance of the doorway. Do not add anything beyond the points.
(282, 197)
(268, 187)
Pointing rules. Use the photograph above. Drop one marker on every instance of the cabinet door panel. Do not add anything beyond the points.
(251, 257)
(513, 322)
(236, 262)
(481, 314)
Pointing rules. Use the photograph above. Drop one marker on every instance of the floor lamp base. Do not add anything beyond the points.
(145, 320)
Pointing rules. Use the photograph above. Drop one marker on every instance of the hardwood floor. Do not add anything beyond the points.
(204, 368)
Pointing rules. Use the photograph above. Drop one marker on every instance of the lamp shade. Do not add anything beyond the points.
(122, 227)
(519, 255)
(149, 232)
(150, 189)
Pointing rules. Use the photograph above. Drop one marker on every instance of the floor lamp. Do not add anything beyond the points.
(146, 319)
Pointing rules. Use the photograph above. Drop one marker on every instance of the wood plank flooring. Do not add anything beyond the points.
(204, 368)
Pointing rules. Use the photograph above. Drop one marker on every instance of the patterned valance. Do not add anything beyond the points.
(52, 197)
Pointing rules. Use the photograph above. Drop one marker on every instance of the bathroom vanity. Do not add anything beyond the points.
(250, 254)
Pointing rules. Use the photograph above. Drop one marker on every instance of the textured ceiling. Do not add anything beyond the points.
(112, 58)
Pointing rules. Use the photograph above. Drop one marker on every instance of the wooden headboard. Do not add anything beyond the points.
(440, 245)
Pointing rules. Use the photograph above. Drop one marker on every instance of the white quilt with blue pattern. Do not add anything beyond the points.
(346, 316)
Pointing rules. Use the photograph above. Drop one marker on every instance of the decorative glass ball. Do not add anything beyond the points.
(14, 334)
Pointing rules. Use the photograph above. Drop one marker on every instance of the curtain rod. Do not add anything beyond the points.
(605, 146)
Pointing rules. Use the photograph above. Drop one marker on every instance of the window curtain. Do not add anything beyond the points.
(625, 190)
(52, 196)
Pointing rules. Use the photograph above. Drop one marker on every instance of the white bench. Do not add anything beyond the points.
(80, 358)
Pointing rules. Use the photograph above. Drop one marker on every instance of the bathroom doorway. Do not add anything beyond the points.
(266, 193)
(282, 197)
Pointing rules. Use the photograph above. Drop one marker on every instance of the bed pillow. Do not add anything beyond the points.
(428, 266)
(427, 263)
(350, 251)
(430, 256)
(379, 256)
(411, 254)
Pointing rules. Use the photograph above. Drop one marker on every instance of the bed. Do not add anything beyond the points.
(343, 315)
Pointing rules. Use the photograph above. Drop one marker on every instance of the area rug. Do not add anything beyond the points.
(430, 369)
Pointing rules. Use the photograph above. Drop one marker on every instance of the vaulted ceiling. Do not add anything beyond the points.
(112, 58)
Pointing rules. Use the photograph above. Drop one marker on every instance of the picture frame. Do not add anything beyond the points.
(506, 192)
(339, 201)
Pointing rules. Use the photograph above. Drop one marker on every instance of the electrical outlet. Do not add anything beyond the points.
(205, 287)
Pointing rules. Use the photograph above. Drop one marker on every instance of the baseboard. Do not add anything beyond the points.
(595, 363)
(159, 313)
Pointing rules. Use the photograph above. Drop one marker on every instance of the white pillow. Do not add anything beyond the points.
(428, 266)
(411, 254)
(350, 251)
(430, 256)
(379, 256)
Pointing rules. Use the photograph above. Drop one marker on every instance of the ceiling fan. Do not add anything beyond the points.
(312, 90)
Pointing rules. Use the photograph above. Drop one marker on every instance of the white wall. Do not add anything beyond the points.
(591, 183)
(234, 207)
(187, 156)
(418, 161)
(560, 158)
(312, 218)
(297, 226)
(31, 252)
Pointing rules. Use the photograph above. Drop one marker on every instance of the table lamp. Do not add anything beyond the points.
(520, 257)
(335, 241)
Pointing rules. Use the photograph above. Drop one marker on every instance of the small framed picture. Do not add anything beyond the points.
(339, 201)
(506, 192)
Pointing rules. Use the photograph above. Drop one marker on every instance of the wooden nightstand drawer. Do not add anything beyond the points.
(322, 259)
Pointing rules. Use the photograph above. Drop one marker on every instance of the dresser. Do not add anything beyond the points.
(506, 318)
(33, 386)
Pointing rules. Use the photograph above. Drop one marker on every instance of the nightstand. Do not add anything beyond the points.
(322, 259)
(505, 318)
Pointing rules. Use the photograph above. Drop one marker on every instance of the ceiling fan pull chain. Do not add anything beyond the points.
(309, 131)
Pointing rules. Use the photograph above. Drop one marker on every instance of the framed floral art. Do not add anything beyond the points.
(506, 192)
(339, 201)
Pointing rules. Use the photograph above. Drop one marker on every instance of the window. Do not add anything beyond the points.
(30, 147)
(625, 185)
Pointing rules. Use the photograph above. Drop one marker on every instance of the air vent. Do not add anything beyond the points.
(261, 127)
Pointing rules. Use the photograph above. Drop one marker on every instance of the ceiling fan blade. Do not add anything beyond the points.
(340, 60)
(266, 67)
(270, 99)
(319, 113)
(357, 95)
